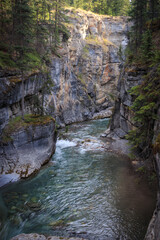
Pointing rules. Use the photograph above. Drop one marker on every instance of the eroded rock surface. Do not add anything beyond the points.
(11, 94)
(28, 149)
(122, 121)
(86, 75)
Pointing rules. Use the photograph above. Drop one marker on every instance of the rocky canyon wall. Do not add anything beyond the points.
(86, 73)
(122, 123)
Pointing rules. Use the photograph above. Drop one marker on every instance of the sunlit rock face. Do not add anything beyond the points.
(86, 73)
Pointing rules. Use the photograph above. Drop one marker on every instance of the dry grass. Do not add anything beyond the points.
(98, 41)
(79, 10)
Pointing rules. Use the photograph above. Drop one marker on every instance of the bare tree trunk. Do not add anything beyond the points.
(22, 101)
(56, 12)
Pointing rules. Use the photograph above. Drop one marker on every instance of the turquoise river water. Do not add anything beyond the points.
(84, 191)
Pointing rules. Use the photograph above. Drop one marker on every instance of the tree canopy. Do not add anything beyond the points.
(108, 7)
(29, 29)
(144, 52)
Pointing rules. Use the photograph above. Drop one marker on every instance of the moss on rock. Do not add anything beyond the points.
(156, 145)
(17, 123)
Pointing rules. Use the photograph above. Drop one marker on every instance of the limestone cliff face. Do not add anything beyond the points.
(11, 94)
(86, 74)
(27, 150)
(122, 121)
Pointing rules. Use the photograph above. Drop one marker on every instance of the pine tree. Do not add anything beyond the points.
(139, 15)
(22, 28)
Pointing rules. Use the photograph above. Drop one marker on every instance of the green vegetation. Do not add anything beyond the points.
(67, 129)
(81, 78)
(145, 16)
(85, 52)
(107, 7)
(144, 52)
(145, 108)
(141, 169)
(97, 41)
(5, 60)
(18, 123)
(156, 145)
(30, 30)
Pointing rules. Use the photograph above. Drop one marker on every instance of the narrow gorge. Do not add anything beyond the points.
(82, 192)
(84, 78)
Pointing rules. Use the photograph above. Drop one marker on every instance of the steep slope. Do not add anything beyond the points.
(122, 122)
(83, 74)
(86, 74)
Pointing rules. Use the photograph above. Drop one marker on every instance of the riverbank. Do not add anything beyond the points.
(83, 193)
(26, 145)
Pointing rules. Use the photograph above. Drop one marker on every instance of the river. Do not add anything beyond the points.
(84, 191)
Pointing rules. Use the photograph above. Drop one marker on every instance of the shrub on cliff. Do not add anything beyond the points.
(18, 123)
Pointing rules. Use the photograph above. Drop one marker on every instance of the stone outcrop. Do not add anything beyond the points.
(122, 121)
(86, 74)
(35, 236)
(27, 150)
(11, 94)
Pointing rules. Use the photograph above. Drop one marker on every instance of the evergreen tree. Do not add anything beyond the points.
(110, 7)
(22, 28)
(28, 31)
(142, 12)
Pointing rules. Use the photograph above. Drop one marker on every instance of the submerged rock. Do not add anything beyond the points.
(34, 206)
(35, 236)
(57, 224)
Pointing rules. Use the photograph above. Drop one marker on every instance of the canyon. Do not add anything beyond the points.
(85, 74)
